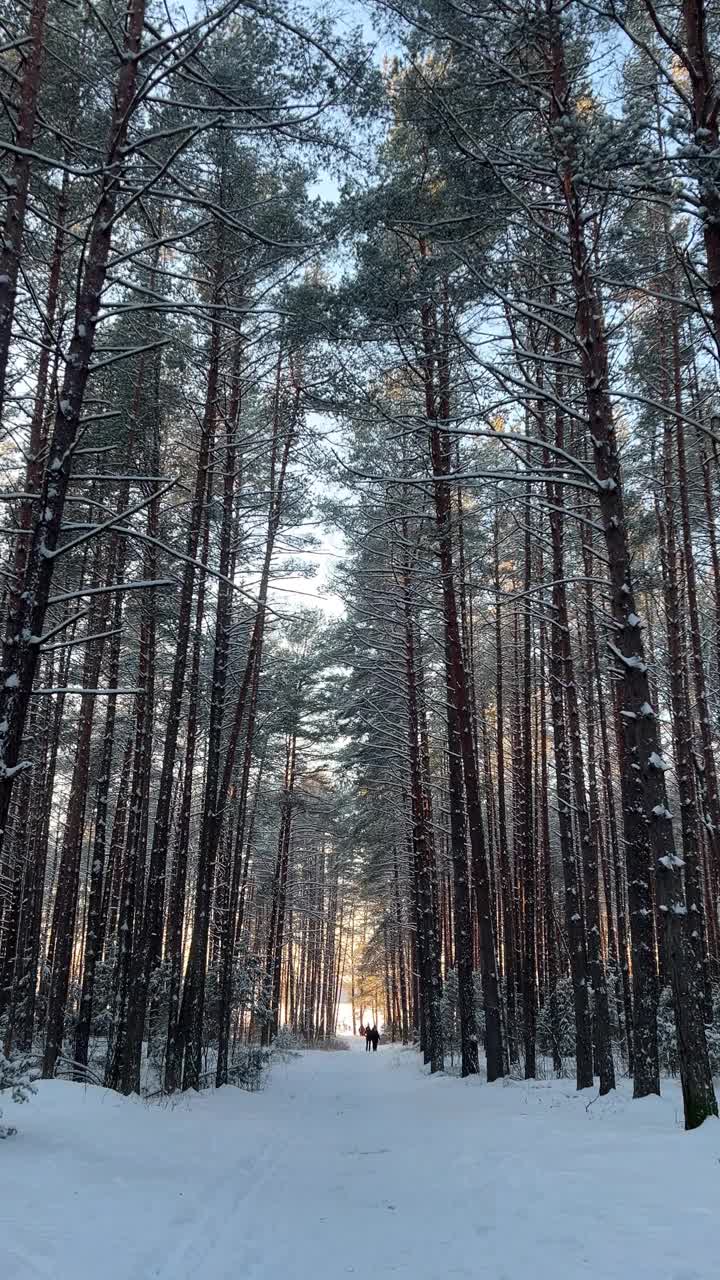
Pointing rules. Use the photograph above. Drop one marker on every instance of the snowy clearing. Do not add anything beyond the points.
(347, 1155)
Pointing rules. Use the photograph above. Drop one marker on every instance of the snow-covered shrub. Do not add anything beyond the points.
(286, 1044)
(480, 1004)
(338, 1044)
(565, 1003)
(324, 1044)
(101, 1005)
(566, 1022)
(712, 1034)
(249, 995)
(617, 1008)
(450, 1014)
(667, 1035)
(667, 1038)
(159, 1005)
(16, 1078)
(249, 1068)
(261, 1006)
(102, 1000)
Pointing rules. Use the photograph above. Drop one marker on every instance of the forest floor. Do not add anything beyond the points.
(355, 1164)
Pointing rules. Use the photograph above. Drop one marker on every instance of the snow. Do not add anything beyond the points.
(9, 771)
(671, 862)
(346, 1155)
(633, 662)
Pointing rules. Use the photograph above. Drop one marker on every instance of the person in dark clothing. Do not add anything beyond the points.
(368, 1038)
(375, 1037)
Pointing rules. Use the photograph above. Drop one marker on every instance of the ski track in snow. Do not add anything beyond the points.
(352, 1163)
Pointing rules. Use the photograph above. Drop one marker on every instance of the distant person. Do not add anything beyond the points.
(362, 1030)
(375, 1037)
(368, 1038)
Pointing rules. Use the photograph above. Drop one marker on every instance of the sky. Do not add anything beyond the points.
(316, 591)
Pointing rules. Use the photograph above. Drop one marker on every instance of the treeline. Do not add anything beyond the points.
(490, 360)
(166, 826)
(533, 577)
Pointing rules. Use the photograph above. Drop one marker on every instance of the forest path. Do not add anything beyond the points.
(359, 1164)
(385, 1172)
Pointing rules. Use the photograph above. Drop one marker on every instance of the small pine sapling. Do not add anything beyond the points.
(16, 1078)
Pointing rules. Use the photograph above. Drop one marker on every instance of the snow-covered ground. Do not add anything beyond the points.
(359, 1164)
